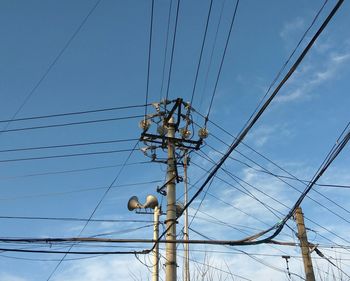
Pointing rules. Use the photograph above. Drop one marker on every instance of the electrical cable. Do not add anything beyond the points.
(71, 170)
(172, 51)
(149, 56)
(287, 61)
(94, 211)
(66, 145)
(77, 190)
(73, 219)
(288, 184)
(37, 117)
(201, 52)
(66, 155)
(71, 124)
(212, 51)
(268, 101)
(222, 61)
(52, 64)
(166, 50)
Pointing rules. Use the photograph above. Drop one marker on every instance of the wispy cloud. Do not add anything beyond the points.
(290, 28)
(10, 277)
(315, 72)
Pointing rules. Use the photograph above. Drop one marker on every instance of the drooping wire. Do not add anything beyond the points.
(287, 61)
(70, 124)
(222, 61)
(201, 52)
(70, 170)
(266, 104)
(53, 63)
(149, 56)
(67, 155)
(172, 51)
(65, 145)
(212, 51)
(166, 50)
(80, 190)
(94, 210)
(73, 113)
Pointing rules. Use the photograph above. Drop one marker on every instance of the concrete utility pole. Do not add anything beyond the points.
(159, 133)
(170, 263)
(186, 273)
(155, 273)
(304, 245)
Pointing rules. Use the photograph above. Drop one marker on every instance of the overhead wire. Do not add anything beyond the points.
(201, 52)
(222, 60)
(58, 172)
(80, 190)
(172, 50)
(53, 63)
(288, 60)
(165, 50)
(94, 211)
(66, 155)
(73, 113)
(212, 51)
(255, 119)
(149, 55)
(70, 124)
(288, 184)
(65, 145)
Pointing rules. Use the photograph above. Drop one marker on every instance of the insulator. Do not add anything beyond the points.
(162, 130)
(145, 124)
(203, 133)
(185, 133)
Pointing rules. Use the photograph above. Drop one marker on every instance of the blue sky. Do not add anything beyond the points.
(105, 65)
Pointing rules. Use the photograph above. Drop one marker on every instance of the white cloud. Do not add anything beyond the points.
(102, 269)
(316, 71)
(290, 28)
(10, 277)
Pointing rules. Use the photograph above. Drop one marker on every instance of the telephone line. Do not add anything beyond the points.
(71, 124)
(66, 145)
(222, 59)
(201, 52)
(66, 155)
(53, 63)
(74, 113)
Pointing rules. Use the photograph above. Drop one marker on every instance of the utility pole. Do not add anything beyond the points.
(163, 137)
(304, 245)
(155, 272)
(171, 206)
(186, 273)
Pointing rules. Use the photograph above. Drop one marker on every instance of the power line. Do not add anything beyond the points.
(212, 51)
(288, 60)
(201, 52)
(71, 124)
(255, 119)
(94, 211)
(172, 50)
(36, 117)
(66, 145)
(71, 170)
(288, 184)
(166, 49)
(66, 155)
(222, 60)
(58, 56)
(72, 219)
(149, 55)
(60, 193)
